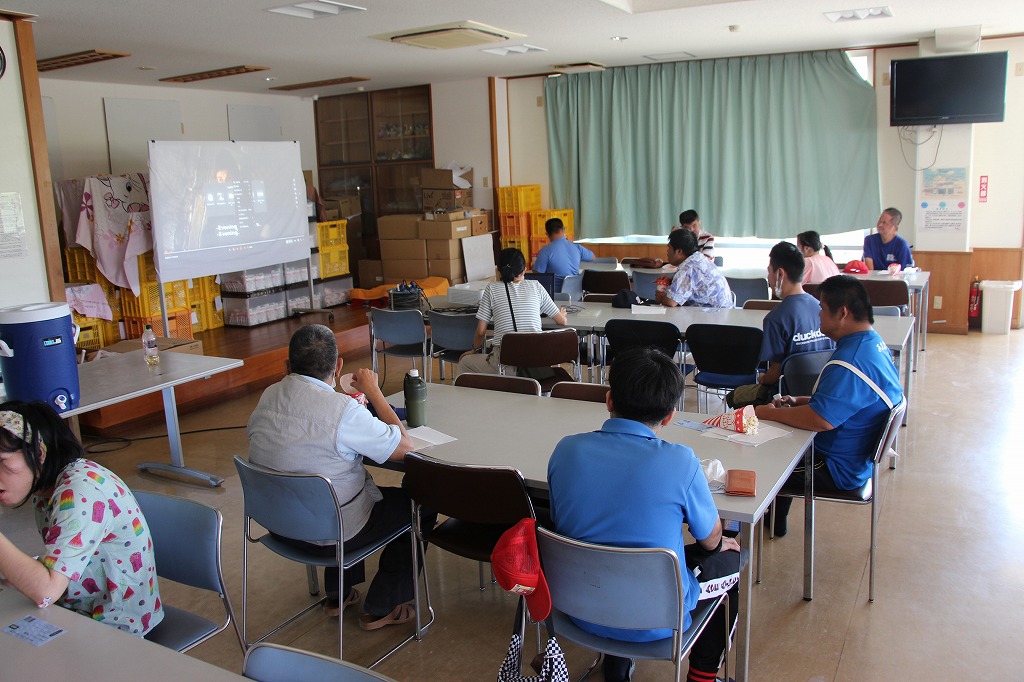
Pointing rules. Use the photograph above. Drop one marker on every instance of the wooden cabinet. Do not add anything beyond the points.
(370, 149)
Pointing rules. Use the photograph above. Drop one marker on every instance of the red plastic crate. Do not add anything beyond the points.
(180, 322)
(514, 225)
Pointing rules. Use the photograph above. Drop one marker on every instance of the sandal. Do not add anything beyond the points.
(402, 613)
(332, 609)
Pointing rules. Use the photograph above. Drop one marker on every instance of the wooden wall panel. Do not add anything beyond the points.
(1001, 264)
(950, 279)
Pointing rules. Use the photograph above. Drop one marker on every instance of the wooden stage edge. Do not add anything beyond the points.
(263, 350)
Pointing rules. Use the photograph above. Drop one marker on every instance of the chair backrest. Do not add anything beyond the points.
(539, 349)
(499, 382)
(812, 289)
(889, 433)
(605, 281)
(276, 663)
(887, 291)
(561, 296)
(470, 493)
(748, 287)
(622, 334)
(724, 349)
(578, 390)
(760, 304)
(801, 370)
(397, 327)
(606, 259)
(886, 310)
(599, 584)
(598, 298)
(546, 279)
(297, 506)
(186, 540)
(643, 283)
(719, 261)
(452, 332)
(573, 285)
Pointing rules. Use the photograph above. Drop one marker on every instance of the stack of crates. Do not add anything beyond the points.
(204, 299)
(94, 332)
(332, 239)
(138, 311)
(514, 206)
(539, 236)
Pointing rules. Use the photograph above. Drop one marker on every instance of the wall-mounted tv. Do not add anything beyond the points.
(967, 88)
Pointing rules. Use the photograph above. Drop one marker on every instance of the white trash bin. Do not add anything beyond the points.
(997, 305)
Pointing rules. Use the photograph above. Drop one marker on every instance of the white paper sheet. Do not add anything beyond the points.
(765, 433)
(424, 437)
(649, 310)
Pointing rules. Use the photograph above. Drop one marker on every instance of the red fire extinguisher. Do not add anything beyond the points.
(974, 304)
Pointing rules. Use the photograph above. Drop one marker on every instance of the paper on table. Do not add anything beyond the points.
(649, 310)
(589, 312)
(765, 433)
(425, 437)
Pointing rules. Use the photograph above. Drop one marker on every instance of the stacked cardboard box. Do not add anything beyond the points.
(446, 189)
(402, 249)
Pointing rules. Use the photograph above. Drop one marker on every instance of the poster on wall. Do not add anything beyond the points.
(943, 199)
(12, 226)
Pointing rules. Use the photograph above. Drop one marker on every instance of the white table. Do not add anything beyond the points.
(503, 429)
(90, 650)
(123, 376)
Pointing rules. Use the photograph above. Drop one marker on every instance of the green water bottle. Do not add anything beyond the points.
(415, 390)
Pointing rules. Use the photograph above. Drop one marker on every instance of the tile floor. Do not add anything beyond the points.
(949, 600)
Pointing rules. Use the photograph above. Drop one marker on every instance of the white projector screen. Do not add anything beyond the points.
(226, 206)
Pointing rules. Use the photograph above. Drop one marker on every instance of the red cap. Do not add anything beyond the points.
(516, 565)
(856, 267)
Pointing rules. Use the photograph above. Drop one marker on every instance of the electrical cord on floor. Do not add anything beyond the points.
(97, 447)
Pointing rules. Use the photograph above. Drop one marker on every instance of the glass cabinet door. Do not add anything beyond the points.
(398, 187)
(401, 124)
(343, 129)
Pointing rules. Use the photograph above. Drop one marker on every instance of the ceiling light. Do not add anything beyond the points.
(215, 73)
(619, 39)
(670, 56)
(316, 9)
(449, 36)
(513, 49)
(78, 59)
(145, 68)
(344, 80)
(579, 67)
(858, 14)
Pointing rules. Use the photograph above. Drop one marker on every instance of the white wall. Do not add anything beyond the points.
(462, 132)
(528, 132)
(502, 133)
(895, 172)
(81, 126)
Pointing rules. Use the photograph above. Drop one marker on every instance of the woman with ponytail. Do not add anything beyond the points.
(818, 266)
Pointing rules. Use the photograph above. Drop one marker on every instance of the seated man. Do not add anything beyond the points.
(689, 220)
(885, 247)
(791, 327)
(302, 425)
(697, 281)
(623, 486)
(848, 408)
(561, 256)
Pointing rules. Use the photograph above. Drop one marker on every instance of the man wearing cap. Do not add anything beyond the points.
(623, 486)
(885, 247)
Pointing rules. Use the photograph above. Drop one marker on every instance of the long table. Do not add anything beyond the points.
(90, 650)
(502, 429)
(123, 376)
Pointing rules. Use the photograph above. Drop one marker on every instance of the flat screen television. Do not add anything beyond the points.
(967, 88)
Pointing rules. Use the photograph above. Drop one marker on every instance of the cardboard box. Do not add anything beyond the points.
(446, 198)
(398, 226)
(449, 216)
(481, 224)
(403, 249)
(397, 270)
(444, 249)
(371, 274)
(455, 229)
(444, 178)
(449, 269)
(331, 213)
(190, 346)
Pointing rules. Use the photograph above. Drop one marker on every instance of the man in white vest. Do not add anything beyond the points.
(302, 425)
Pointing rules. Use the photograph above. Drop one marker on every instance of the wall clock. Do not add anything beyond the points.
(3, 62)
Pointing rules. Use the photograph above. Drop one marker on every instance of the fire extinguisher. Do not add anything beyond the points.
(974, 304)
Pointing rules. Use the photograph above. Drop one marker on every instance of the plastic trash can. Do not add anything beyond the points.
(997, 305)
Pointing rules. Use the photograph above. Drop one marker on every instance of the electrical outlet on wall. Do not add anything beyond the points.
(1019, 69)
(487, 181)
(937, 303)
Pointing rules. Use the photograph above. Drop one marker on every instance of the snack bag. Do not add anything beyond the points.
(741, 421)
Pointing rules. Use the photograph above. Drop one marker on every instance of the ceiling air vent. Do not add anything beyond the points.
(450, 36)
(580, 67)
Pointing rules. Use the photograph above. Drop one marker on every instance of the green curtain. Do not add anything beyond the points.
(764, 146)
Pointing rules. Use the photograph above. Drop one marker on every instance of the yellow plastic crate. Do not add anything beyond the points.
(197, 317)
(519, 198)
(81, 264)
(90, 337)
(333, 261)
(539, 218)
(213, 318)
(147, 268)
(180, 322)
(332, 233)
(514, 225)
(209, 288)
(147, 303)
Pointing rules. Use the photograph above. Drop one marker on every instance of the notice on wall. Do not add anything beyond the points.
(943, 199)
(12, 226)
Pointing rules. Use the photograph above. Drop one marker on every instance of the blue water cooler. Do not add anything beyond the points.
(37, 354)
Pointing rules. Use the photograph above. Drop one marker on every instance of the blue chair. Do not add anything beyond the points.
(800, 372)
(451, 335)
(726, 356)
(599, 584)
(276, 663)
(404, 331)
(573, 285)
(302, 507)
(744, 288)
(643, 283)
(186, 546)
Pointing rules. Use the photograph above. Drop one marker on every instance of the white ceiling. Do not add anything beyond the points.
(185, 36)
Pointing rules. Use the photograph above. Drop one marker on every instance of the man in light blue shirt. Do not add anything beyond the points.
(561, 256)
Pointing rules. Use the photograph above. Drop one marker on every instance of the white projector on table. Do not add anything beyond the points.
(469, 293)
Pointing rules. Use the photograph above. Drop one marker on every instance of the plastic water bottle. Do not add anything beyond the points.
(415, 390)
(149, 347)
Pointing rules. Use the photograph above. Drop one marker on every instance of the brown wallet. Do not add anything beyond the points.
(740, 482)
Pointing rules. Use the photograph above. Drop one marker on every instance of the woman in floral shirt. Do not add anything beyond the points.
(98, 556)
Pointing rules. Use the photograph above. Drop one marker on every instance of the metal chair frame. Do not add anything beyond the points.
(276, 663)
(405, 331)
(451, 335)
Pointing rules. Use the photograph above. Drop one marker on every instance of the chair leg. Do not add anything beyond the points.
(480, 567)
(314, 585)
(758, 530)
(874, 535)
(771, 521)
(728, 634)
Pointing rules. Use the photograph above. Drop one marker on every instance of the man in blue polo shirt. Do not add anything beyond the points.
(561, 256)
(885, 247)
(849, 405)
(625, 487)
